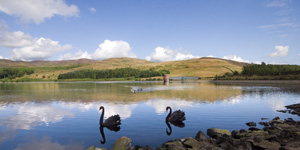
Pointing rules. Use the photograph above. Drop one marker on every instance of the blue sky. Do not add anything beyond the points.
(156, 30)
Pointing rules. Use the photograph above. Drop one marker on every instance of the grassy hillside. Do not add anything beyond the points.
(201, 67)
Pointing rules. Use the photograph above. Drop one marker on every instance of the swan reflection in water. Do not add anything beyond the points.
(112, 123)
(176, 118)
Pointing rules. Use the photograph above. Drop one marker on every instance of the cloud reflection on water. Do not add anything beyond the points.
(161, 104)
(30, 114)
(124, 110)
(233, 100)
(6, 135)
(45, 143)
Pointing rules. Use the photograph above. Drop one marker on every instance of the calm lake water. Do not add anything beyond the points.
(66, 115)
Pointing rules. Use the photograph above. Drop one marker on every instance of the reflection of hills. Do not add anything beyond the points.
(118, 92)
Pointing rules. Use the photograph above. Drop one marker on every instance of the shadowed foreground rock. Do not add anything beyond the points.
(277, 134)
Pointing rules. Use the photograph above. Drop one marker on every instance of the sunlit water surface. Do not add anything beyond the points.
(66, 115)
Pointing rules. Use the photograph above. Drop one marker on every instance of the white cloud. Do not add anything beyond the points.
(109, 49)
(77, 55)
(211, 56)
(41, 49)
(14, 39)
(278, 26)
(165, 54)
(37, 10)
(235, 58)
(277, 3)
(93, 10)
(27, 47)
(280, 51)
(1, 57)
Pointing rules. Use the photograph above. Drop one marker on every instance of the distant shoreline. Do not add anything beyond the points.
(175, 81)
(258, 81)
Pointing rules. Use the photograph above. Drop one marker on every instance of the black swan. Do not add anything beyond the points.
(175, 119)
(111, 121)
(177, 115)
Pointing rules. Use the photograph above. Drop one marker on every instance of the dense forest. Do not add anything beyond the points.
(264, 70)
(12, 73)
(116, 73)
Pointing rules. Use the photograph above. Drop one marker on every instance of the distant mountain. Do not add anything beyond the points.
(42, 63)
(200, 67)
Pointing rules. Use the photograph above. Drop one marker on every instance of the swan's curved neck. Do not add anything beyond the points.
(102, 115)
(169, 108)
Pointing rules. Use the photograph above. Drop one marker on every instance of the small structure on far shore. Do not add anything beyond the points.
(166, 78)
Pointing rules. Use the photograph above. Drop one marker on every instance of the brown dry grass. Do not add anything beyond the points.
(201, 67)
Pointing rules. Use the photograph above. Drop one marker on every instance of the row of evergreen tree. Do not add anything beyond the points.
(14, 72)
(115, 73)
(263, 70)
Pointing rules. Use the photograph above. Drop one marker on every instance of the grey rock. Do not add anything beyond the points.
(200, 136)
(174, 147)
(214, 132)
(267, 145)
(283, 111)
(137, 147)
(235, 134)
(122, 143)
(276, 118)
(243, 131)
(251, 124)
(174, 143)
(264, 123)
(253, 129)
(192, 143)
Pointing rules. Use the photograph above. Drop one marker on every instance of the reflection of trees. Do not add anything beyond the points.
(262, 87)
(117, 92)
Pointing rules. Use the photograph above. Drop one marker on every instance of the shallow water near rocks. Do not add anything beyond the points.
(66, 115)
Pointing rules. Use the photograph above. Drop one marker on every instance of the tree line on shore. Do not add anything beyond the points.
(112, 73)
(13, 73)
(273, 70)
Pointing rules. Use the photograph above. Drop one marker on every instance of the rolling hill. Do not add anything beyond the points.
(200, 67)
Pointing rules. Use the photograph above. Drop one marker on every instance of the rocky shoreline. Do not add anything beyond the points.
(277, 134)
